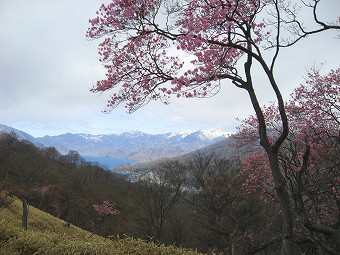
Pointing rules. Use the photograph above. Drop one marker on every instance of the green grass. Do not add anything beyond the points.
(49, 235)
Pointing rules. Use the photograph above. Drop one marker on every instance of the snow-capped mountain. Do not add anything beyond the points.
(134, 145)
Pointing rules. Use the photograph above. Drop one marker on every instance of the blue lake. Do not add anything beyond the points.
(108, 161)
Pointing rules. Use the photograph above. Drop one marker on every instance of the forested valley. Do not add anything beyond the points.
(207, 203)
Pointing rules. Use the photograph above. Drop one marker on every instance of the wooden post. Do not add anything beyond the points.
(24, 221)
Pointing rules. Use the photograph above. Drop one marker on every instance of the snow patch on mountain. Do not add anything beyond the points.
(214, 133)
(180, 134)
(96, 138)
(208, 134)
(134, 134)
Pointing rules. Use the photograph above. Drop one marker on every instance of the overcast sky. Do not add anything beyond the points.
(47, 68)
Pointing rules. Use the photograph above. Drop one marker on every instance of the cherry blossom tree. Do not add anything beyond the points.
(107, 208)
(308, 158)
(153, 49)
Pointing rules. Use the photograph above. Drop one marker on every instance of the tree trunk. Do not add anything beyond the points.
(288, 243)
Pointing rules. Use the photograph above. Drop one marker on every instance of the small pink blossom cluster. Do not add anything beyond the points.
(107, 208)
(207, 15)
(44, 190)
(218, 21)
(119, 15)
(256, 170)
(300, 231)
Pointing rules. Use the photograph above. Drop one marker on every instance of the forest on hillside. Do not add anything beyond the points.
(201, 204)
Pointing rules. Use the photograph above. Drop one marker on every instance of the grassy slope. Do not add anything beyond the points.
(49, 235)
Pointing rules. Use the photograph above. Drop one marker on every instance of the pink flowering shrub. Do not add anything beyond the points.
(107, 208)
(105, 211)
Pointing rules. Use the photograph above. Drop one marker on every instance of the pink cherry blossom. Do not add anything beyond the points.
(107, 208)
(140, 57)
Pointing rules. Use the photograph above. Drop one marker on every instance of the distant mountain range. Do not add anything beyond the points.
(135, 145)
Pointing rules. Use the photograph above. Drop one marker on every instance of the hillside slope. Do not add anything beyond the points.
(49, 235)
(219, 149)
(20, 134)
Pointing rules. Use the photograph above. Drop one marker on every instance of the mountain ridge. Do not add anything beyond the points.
(134, 145)
(20, 134)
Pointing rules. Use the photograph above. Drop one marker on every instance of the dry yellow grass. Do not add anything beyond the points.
(49, 235)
